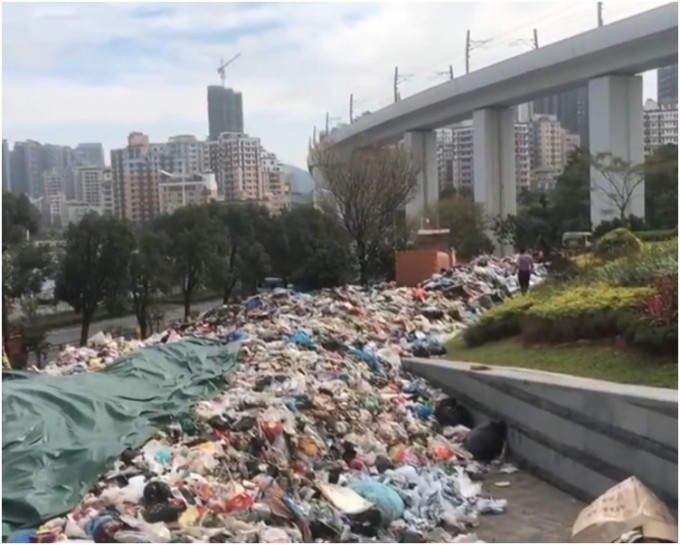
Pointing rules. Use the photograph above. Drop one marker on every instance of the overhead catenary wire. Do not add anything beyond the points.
(418, 80)
(556, 15)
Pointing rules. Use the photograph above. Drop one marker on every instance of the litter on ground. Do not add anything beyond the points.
(317, 434)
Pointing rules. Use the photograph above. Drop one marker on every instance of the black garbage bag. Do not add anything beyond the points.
(432, 313)
(485, 442)
(449, 412)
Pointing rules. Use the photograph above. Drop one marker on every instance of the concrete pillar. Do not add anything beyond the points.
(423, 147)
(615, 126)
(495, 184)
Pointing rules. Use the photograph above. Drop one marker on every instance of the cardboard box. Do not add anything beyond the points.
(628, 506)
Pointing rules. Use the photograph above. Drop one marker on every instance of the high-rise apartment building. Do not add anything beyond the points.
(74, 211)
(136, 171)
(58, 157)
(189, 152)
(455, 156)
(53, 182)
(94, 187)
(89, 154)
(667, 84)
(236, 160)
(54, 196)
(6, 169)
(27, 167)
(551, 144)
(186, 189)
(276, 187)
(571, 110)
(61, 159)
(523, 150)
(225, 111)
(660, 124)
(17, 168)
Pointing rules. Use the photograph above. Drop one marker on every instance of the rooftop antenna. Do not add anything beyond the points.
(223, 65)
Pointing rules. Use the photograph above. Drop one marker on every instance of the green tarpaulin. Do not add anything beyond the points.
(59, 433)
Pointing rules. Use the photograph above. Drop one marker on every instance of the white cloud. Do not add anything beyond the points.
(290, 74)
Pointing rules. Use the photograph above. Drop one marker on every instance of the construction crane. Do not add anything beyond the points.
(223, 65)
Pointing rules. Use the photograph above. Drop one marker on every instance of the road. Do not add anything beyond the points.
(71, 334)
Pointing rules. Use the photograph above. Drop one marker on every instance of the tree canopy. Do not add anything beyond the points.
(148, 274)
(661, 188)
(465, 221)
(98, 251)
(369, 187)
(18, 217)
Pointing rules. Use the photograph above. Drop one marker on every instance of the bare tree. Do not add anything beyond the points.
(369, 186)
(619, 180)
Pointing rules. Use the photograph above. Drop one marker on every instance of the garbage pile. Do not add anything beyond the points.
(306, 444)
(420, 320)
(319, 436)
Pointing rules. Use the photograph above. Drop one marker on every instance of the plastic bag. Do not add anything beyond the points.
(386, 499)
(485, 442)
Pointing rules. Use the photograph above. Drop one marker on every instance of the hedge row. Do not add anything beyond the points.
(582, 312)
(656, 236)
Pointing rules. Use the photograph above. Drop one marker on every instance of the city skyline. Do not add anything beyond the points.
(95, 72)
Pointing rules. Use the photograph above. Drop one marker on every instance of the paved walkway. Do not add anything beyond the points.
(537, 512)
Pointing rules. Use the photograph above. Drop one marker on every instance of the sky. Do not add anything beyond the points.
(94, 72)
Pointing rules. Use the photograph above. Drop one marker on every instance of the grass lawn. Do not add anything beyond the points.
(599, 361)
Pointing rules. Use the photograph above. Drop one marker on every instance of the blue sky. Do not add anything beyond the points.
(83, 72)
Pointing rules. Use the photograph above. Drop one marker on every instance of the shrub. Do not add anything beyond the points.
(498, 323)
(584, 312)
(633, 223)
(657, 259)
(590, 298)
(569, 314)
(655, 339)
(617, 243)
(656, 236)
(661, 307)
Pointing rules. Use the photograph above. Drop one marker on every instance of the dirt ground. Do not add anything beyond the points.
(536, 513)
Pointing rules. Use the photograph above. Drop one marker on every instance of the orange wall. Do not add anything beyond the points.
(414, 266)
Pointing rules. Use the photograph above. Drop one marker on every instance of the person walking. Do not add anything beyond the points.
(525, 267)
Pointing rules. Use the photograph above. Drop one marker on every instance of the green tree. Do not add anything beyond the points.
(193, 236)
(35, 334)
(465, 221)
(319, 253)
(661, 188)
(239, 258)
(148, 275)
(97, 253)
(369, 187)
(24, 269)
(279, 245)
(571, 197)
(18, 217)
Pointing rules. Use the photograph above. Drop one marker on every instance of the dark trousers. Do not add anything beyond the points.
(523, 278)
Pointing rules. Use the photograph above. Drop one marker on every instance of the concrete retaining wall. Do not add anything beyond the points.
(581, 435)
